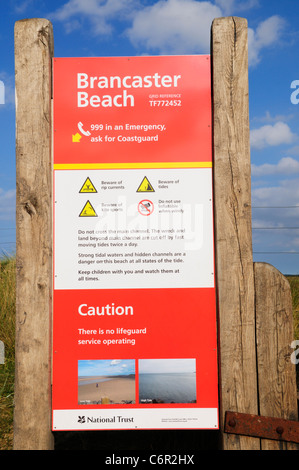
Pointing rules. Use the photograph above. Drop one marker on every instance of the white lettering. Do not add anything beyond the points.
(85, 81)
(80, 309)
(122, 100)
(295, 354)
(106, 101)
(82, 80)
(109, 309)
(294, 95)
(82, 99)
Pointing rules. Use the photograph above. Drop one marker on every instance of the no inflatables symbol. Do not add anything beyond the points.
(145, 207)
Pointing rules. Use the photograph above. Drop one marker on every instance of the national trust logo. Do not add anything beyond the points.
(81, 419)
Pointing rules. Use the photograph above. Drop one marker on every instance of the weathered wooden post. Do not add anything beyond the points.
(274, 335)
(33, 54)
(257, 378)
(233, 240)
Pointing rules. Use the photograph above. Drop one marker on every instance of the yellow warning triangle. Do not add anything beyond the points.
(145, 186)
(88, 211)
(88, 187)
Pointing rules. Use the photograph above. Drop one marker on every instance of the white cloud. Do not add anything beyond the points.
(183, 26)
(284, 194)
(167, 26)
(22, 7)
(269, 118)
(226, 5)
(268, 135)
(267, 34)
(286, 166)
(115, 362)
(230, 6)
(100, 13)
(294, 150)
(174, 26)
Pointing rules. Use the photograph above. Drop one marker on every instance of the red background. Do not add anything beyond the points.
(180, 323)
(188, 133)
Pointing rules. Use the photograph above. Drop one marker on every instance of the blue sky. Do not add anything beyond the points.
(106, 367)
(140, 27)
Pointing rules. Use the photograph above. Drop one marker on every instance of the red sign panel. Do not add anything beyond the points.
(136, 109)
(134, 321)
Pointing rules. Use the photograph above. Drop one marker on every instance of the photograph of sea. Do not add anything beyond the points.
(105, 382)
(167, 381)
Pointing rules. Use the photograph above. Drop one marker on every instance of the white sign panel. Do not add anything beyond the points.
(133, 229)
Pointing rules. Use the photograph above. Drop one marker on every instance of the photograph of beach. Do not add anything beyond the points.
(167, 381)
(105, 382)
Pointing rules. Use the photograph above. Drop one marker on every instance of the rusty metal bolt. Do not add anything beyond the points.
(279, 430)
(232, 423)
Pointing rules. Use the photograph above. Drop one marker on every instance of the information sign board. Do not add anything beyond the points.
(134, 317)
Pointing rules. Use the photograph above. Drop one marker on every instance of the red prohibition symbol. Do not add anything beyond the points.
(145, 207)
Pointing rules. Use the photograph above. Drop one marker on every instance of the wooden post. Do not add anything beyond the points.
(33, 54)
(275, 333)
(233, 239)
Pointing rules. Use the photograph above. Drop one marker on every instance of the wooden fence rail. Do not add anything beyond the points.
(277, 391)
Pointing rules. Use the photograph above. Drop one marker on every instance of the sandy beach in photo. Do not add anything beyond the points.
(118, 389)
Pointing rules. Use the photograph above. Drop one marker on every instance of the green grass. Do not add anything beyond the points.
(7, 336)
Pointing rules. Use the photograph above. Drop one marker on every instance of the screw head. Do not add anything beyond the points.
(279, 430)
(232, 423)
